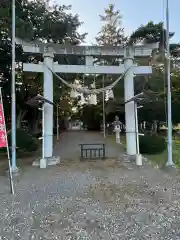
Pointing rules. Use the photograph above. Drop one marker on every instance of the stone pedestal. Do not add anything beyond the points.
(118, 137)
(16, 173)
(138, 159)
(43, 163)
(117, 129)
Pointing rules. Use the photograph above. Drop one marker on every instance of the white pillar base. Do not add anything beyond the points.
(138, 159)
(15, 173)
(43, 163)
(170, 165)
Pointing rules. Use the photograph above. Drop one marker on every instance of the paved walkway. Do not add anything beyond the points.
(68, 145)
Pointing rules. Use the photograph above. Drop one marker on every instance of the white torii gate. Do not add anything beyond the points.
(90, 52)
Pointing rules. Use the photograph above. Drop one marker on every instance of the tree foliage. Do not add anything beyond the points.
(112, 32)
(34, 21)
(150, 33)
(152, 144)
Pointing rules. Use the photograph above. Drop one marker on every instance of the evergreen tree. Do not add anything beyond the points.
(34, 21)
(112, 32)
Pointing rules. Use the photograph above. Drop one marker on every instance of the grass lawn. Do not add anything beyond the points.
(159, 159)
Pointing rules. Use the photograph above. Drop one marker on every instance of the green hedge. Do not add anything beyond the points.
(25, 142)
(152, 145)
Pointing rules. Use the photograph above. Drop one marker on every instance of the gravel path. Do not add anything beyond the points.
(68, 146)
(99, 200)
(91, 200)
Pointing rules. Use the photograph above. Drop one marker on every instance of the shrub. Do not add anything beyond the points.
(37, 134)
(176, 153)
(24, 141)
(152, 144)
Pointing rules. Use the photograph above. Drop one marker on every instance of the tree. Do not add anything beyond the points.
(150, 33)
(34, 21)
(91, 117)
(112, 32)
(156, 84)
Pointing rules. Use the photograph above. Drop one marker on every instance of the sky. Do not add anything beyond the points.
(134, 12)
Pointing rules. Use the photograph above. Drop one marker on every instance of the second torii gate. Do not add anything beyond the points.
(89, 52)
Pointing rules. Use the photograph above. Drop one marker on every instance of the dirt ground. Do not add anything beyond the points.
(94, 200)
(91, 200)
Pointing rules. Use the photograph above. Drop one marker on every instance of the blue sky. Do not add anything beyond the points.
(135, 13)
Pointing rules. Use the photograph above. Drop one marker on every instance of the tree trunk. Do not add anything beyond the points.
(35, 126)
(20, 117)
(158, 127)
(155, 127)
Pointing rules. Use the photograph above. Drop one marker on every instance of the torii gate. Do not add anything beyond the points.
(89, 52)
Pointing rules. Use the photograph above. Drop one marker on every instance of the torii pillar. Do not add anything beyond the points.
(48, 108)
(129, 107)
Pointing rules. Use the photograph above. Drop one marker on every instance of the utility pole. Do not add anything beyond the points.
(13, 90)
(57, 120)
(104, 116)
(168, 60)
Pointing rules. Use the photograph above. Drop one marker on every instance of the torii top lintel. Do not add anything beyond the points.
(96, 51)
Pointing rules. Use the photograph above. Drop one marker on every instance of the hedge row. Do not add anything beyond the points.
(25, 142)
(152, 144)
